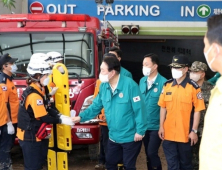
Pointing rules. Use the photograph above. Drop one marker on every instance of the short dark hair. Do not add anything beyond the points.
(112, 62)
(114, 48)
(117, 50)
(109, 54)
(33, 78)
(214, 33)
(154, 58)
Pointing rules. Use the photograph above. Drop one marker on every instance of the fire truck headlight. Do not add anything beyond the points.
(84, 135)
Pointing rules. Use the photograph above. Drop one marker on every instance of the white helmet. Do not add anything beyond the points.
(38, 64)
(56, 56)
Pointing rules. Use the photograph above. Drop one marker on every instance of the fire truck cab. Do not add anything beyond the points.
(80, 38)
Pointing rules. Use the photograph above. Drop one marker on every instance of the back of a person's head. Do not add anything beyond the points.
(117, 50)
(214, 32)
(112, 62)
(114, 48)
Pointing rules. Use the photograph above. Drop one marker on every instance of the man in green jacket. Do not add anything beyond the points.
(125, 115)
(151, 86)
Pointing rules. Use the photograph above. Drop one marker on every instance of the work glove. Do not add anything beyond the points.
(10, 128)
(63, 116)
(54, 90)
(72, 113)
(67, 121)
(61, 70)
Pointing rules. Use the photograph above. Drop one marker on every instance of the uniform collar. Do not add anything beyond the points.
(37, 88)
(116, 84)
(183, 83)
(6, 76)
(205, 84)
(155, 81)
(107, 85)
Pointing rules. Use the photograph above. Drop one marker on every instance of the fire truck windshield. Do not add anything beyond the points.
(77, 49)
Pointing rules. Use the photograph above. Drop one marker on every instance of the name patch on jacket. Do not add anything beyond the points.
(39, 102)
(168, 93)
(136, 99)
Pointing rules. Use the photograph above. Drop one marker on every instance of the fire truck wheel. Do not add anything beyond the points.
(94, 151)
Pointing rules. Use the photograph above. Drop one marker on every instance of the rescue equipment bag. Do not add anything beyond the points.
(44, 131)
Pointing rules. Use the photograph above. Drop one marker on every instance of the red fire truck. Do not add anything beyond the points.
(80, 38)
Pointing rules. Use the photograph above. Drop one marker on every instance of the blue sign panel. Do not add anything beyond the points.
(133, 10)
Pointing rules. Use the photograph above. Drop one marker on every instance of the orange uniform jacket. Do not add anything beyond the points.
(102, 115)
(179, 101)
(3, 109)
(37, 104)
(11, 96)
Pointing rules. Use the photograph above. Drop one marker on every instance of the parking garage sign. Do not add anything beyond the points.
(136, 10)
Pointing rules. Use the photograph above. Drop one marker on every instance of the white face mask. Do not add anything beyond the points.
(14, 68)
(176, 74)
(195, 77)
(146, 71)
(104, 78)
(207, 58)
(46, 81)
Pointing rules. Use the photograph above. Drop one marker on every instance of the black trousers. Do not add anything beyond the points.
(44, 151)
(5, 147)
(178, 155)
(152, 143)
(103, 144)
(32, 154)
(14, 135)
(126, 152)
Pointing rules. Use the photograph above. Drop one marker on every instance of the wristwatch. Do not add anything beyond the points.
(195, 131)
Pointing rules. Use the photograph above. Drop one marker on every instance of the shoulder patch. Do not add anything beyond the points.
(168, 81)
(194, 84)
(199, 96)
(4, 88)
(39, 102)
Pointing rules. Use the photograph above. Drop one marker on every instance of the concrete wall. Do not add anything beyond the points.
(21, 7)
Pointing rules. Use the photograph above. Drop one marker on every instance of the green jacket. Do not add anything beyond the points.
(124, 110)
(151, 98)
(125, 72)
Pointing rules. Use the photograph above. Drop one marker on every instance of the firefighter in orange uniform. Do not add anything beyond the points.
(5, 139)
(10, 92)
(178, 126)
(33, 112)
